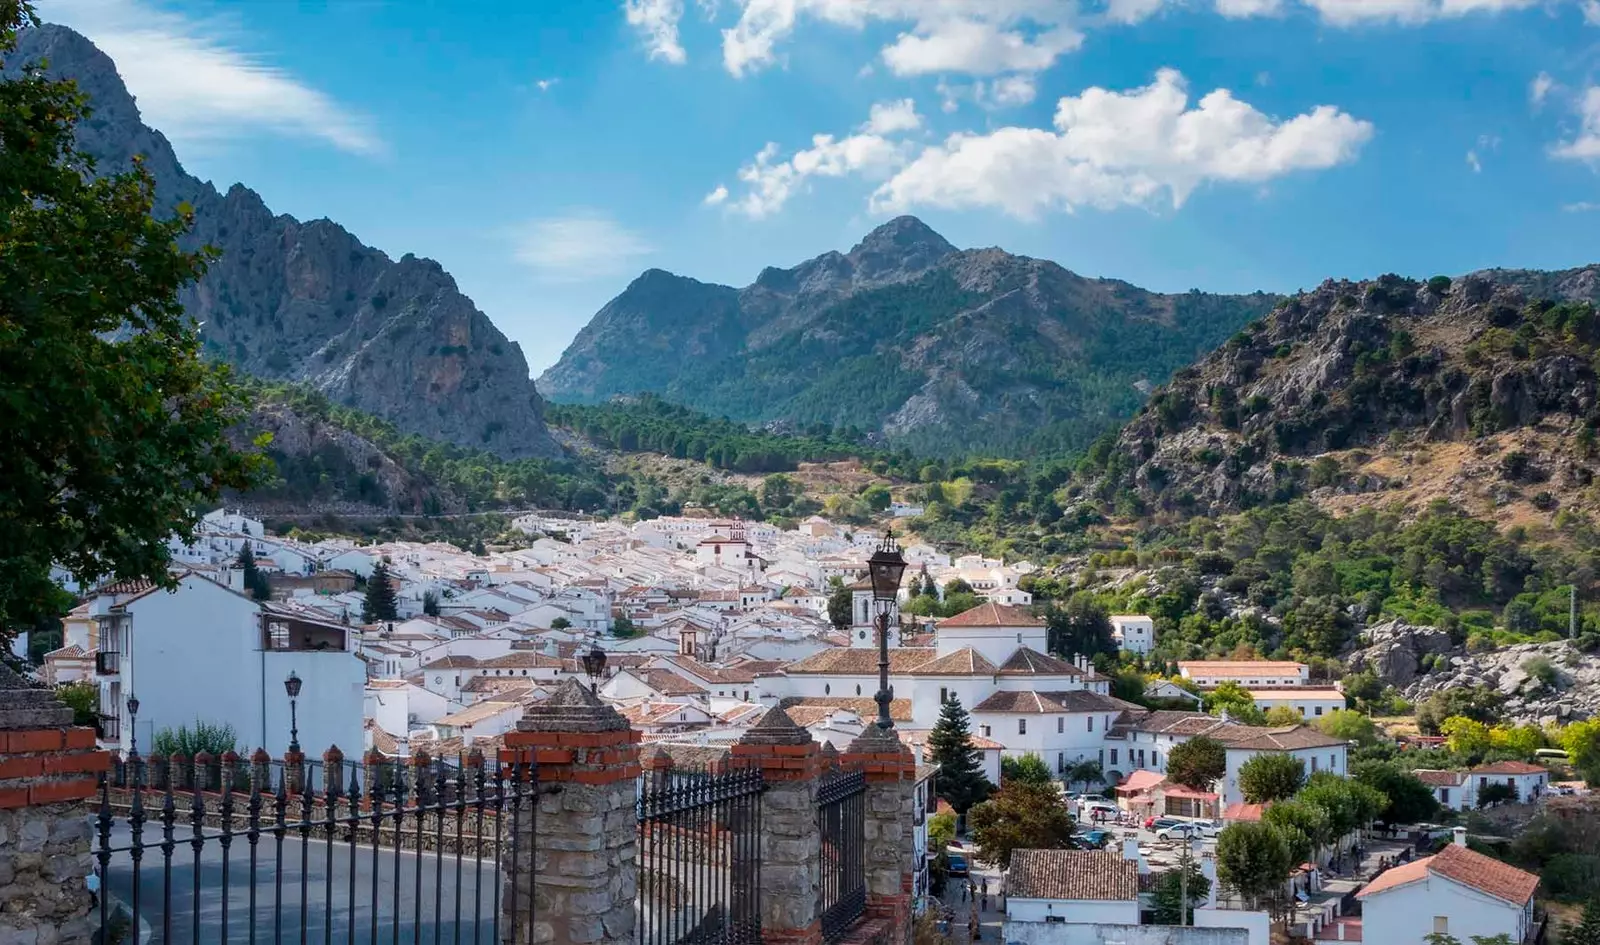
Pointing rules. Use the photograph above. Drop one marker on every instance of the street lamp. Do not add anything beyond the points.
(291, 686)
(133, 725)
(594, 663)
(886, 567)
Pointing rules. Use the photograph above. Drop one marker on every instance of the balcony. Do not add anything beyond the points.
(107, 663)
(109, 728)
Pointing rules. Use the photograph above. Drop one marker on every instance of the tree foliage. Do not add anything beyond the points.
(1407, 799)
(1197, 763)
(116, 430)
(1022, 815)
(379, 605)
(961, 781)
(1028, 767)
(1271, 776)
(1253, 859)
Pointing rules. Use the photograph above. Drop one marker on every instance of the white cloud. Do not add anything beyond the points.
(772, 182)
(579, 246)
(1238, 9)
(1485, 145)
(977, 48)
(1582, 206)
(193, 80)
(1122, 148)
(1474, 163)
(657, 23)
(545, 85)
(1009, 91)
(1591, 12)
(886, 118)
(1353, 12)
(1585, 146)
(1539, 88)
(1133, 11)
(717, 196)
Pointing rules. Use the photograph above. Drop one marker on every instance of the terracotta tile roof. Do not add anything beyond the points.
(1141, 781)
(1030, 662)
(523, 660)
(668, 683)
(1099, 875)
(1293, 693)
(1461, 865)
(919, 737)
(899, 709)
(730, 676)
(1243, 812)
(1434, 778)
(963, 662)
(1072, 700)
(1241, 667)
(1279, 739)
(861, 661)
(993, 615)
(453, 662)
(659, 713)
(1508, 767)
(1030, 702)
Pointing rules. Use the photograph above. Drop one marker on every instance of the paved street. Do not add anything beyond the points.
(455, 902)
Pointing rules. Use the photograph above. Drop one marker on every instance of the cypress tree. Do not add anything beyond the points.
(1587, 931)
(960, 781)
(254, 581)
(379, 604)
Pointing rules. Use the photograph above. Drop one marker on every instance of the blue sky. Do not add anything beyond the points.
(547, 151)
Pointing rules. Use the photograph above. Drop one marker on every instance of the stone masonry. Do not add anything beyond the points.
(891, 774)
(575, 860)
(791, 845)
(48, 771)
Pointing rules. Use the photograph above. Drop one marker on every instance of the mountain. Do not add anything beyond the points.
(308, 302)
(945, 351)
(1481, 390)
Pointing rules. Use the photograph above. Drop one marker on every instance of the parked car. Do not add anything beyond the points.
(1180, 831)
(1157, 823)
(958, 864)
(1092, 839)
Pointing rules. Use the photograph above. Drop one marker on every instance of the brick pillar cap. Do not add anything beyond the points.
(373, 757)
(178, 757)
(25, 704)
(876, 741)
(776, 728)
(230, 757)
(333, 756)
(421, 759)
(203, 758)
(658, 759)
(572, 708)
(260, 757)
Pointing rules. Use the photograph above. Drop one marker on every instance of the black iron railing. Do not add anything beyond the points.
(107, 663)
(431, 855)
(841, 820)
(699, 857)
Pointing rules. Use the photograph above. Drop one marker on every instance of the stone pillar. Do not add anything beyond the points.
(226, 770)
(202, 772)
(48, 774)
(791, 844)
(891, 774)
(576, 861)
(260, 772)
(294, 771)
(371, 774)
(178, 771)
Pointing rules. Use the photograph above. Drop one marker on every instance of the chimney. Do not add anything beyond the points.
(1130, 852)
(1208, 869)
(1460, 836)
(1338, 928)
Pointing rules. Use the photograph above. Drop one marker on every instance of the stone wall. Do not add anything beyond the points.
(48, 770)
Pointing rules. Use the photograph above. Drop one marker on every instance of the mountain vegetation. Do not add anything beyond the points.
(941, 351)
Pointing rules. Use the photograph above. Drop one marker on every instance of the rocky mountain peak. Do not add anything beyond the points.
(903, 245)
(308, 302)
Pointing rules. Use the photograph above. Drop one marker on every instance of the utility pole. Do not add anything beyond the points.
(1572, 614)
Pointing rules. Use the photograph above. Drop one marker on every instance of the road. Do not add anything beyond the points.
(401, 914)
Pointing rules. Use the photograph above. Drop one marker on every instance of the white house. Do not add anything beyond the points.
(1450, 788)
(1530, 782)
(1134, 633)
(204, 652)
(1251, 674)
(1310, 702)
(485, 719)
(1080, 887)
(1455, 892)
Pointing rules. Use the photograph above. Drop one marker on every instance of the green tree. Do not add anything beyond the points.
(254, 581)
(1254, 860)
(1172, 906)
(1305, 827)
(1197, 763)
(211, 738)
(1028, 767)
(624, 628)
(1496, 792)
(1348, 804)
(83, 698)
(1081, 626)
(1350, 725)
(1236, 701)
(379, 604)
(876, 496)
(1022, 815)
(1282, 716)
(1407, 799)
(961, 781)
(1271, 776)
(116, 429)
(777, 492)
(840, 604)
(1586, 931)
(430, 603)
(560, 623)
(1087, 773)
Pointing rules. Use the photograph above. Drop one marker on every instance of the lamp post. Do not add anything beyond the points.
(133, 725)
(291, 686)
(886, 567)
(594, 664)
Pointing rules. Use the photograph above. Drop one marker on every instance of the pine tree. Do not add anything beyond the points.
(254, 581)
(960, 781)
(379, 604)
(1587, 931)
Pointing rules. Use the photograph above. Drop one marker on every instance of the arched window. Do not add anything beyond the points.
(827, 689)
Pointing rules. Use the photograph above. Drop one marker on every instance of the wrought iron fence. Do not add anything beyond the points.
(841, 820)
(329, 856)
(700, 857)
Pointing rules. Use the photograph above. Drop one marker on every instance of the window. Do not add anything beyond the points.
(1061, 723)
(1090, 720)
(747, 695)
(1155, 759)
(1333, 762)
(827, 689)
(985, 730)
(1022, 726)
(1441, 924)
(1113, 756)
(858, 689)
(1319, 710)
(944, 695)
(1061, 761)
(1313, 764)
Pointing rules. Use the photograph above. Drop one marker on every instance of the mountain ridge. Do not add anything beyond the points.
(939, 349)
(306, 301)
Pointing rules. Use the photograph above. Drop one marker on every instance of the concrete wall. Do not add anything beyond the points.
(1405, 914)
(1053, 933)
(1257, 924)
(1076, 911)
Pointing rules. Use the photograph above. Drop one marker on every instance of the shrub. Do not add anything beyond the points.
(1439, 285)
(1540, 668)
